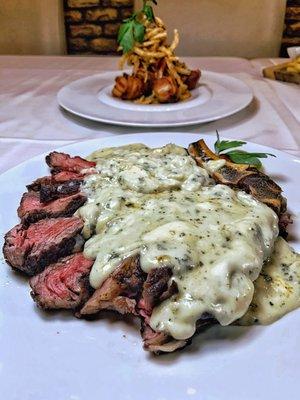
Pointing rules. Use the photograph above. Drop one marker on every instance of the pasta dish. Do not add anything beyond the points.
(158, 74)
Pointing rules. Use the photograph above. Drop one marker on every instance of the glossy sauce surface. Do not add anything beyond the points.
(160, 204)
(277, 289)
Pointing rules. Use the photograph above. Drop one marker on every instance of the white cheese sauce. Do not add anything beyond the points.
(159, 204)
(277, 289)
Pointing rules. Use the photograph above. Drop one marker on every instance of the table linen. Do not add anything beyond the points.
(31, 121)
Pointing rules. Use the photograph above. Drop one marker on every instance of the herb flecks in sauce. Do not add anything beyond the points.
(277, 289)
(215, 239)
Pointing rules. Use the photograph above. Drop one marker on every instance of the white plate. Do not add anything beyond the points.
(217, 96)
(57, 357)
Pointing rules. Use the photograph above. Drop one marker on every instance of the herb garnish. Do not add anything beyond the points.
(148, 10)
(132, 30)
(239, 156)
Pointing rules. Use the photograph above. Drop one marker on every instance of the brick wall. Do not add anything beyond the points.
(92, 25)
(291, 34)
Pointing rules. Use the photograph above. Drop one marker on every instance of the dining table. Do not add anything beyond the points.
(31, 121)
(45, 356)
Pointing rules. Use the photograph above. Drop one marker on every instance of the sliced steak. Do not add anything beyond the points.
(35, 186)
(63, 285)
(60, 177)
(157, 287)
(32, 210)
(160, 342)
(64, 176)
(55, 191)
(120, 291)
(31, 249)
(130, 291)
(64, 162)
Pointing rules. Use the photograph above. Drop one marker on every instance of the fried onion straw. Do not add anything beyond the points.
(153, 60)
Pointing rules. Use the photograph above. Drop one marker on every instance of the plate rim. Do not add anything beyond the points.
(195, 121)
(129, 352)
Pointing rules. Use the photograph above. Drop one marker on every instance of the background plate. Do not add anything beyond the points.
(218, 96)
(54, 356)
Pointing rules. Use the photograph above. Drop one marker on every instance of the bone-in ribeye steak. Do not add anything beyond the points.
(47, 243)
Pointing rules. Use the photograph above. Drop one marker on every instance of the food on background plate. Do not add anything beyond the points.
(158, 75)
(180, 238)
(286, 72)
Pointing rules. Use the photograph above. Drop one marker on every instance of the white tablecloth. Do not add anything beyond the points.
(32, 123)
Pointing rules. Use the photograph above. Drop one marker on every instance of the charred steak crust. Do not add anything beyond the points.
(120, 291)
(32, 210)
(128, 290)
(36, 262)
(63, 285)
(248, 179)
(35, 186)
(157, 288)
(241, 176)
(64, 162)
(55, 191)
(60, 177)
(130, 277)
(14, 250)
(31, 249)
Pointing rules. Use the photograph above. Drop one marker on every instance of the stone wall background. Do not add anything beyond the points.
(92, 25)
(291, 34)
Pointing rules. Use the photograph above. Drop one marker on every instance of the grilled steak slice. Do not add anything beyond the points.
(31, 249)
(63, 285)
(160, 342)
(64, 162)
(64, 176)
(35, 186)
(241, 176)
(157, 288)
(60, 177)
(32, 210)
(120, 291)
(55, 186)
(55, 191)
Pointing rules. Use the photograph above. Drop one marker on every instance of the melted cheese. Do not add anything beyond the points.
(277, 289)
(161, 205)
(127, 173)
